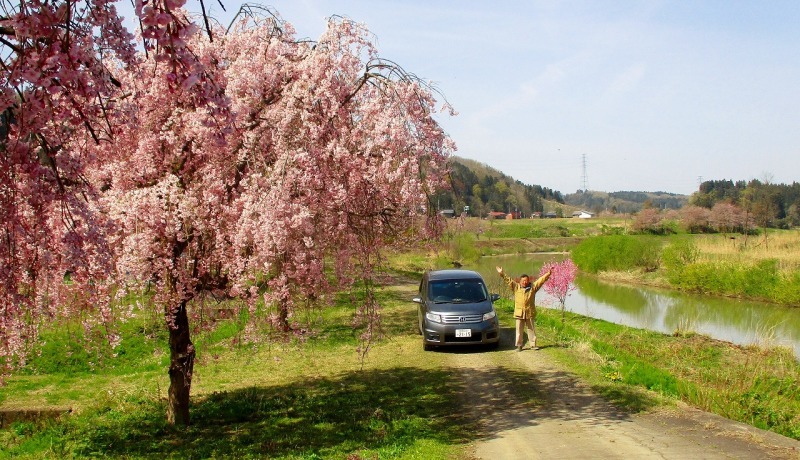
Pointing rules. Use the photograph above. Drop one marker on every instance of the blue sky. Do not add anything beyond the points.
(657, 95)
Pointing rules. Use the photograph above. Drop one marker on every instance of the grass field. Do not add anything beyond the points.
(314, 399)
(780, 245)
(317, 399)
(754, 385)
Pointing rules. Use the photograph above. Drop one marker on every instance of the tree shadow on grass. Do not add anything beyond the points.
(327, 417)
(401, 321)
(385, 412)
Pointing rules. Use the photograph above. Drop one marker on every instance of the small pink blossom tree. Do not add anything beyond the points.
(561, 282)
(695, 218)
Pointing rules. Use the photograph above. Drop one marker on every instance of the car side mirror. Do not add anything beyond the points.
(494, 297)
(417, 300)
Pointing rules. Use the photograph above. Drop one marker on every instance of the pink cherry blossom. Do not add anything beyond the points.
(280, 191)
(54, 83)
(561, 281)
(252, 165)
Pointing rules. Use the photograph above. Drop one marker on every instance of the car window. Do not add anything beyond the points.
(457, 291)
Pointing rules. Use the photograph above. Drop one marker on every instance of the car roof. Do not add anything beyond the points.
(453, 274)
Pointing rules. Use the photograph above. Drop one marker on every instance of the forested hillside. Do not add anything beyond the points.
(485, 189)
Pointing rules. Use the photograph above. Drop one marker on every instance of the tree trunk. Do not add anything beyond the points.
(283, 317)
(180, 367)
(746, 227)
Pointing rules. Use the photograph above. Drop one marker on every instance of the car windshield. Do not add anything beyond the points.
(457, 291)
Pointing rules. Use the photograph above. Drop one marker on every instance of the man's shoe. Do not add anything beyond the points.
(519, 349)
(534, 348)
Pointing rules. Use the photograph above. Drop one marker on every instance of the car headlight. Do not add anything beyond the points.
(490, 315)
(435, 317)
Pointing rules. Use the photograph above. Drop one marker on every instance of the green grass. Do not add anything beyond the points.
(317, 398)
(394, 410)
(618, 252)
(553, 228)
(287, 399)
(379, 410)
(676, 262)
(753, 385)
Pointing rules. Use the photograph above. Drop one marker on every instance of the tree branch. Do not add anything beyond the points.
(13, 47)
(205, 20)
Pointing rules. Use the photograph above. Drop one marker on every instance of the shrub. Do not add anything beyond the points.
(617, 252)
(462, 248)
(609, 230)
(788, 290)
(760, 280)
(676, 256)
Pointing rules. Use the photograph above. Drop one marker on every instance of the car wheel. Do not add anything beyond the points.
(494, 346)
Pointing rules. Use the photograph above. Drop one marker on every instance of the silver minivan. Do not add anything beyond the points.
(455, 308)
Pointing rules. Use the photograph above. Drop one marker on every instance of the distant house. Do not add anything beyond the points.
(447, 213)
(497, 215)
(583, 214)
(536, 215)
(550, 215)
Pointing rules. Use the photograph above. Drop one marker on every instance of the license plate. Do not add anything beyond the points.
(463, 332)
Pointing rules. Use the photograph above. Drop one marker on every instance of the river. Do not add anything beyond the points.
(737, 321)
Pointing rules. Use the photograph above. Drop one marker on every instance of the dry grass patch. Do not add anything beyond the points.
(781, 245)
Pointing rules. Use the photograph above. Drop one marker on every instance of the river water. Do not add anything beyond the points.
(737, 321)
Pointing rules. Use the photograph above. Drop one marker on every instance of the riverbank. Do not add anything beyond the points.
(687, 264)
(568, 419)
(752, 267)
(640, 369)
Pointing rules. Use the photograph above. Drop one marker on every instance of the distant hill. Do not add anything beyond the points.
(485, 189)
(624, 202)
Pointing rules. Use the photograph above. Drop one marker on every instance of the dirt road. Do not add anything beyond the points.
(531, 408)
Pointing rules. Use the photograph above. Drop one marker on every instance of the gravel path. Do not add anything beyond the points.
(530, 408)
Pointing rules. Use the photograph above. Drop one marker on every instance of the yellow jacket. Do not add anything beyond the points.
(525, 299)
